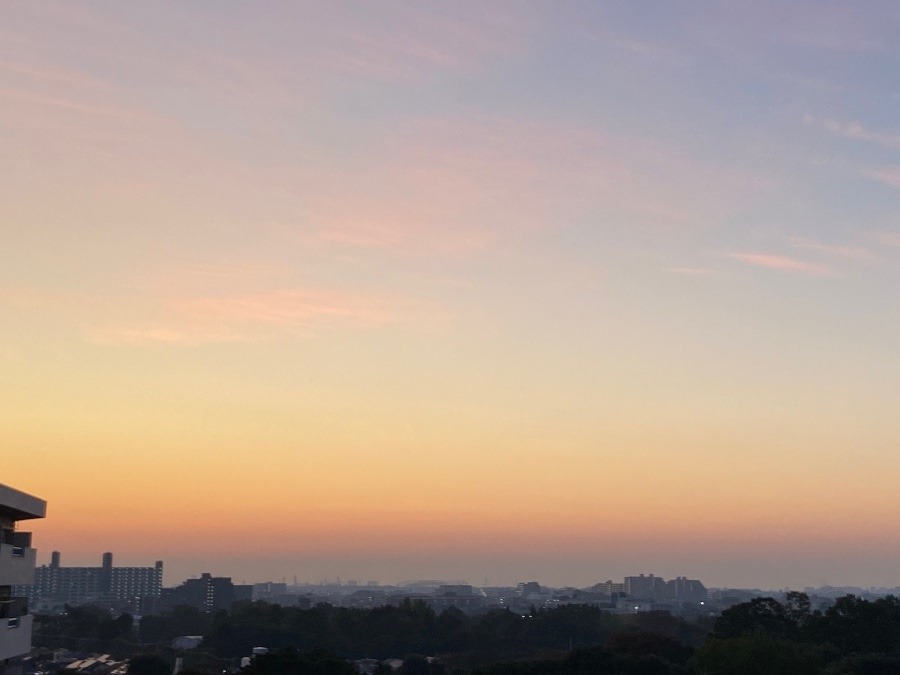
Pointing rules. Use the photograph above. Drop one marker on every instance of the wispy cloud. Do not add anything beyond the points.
(855, 131)
(152, 335)
(692, 271)
(840, 27)
(462, 185)
(284, 307)
(853, 253)
(145, 318)
(889, 239)
(889, 175)
(405, 42)
(780, 262)
(71, 105)
(260, 316)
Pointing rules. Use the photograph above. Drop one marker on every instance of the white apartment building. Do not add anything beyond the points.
(17, 559)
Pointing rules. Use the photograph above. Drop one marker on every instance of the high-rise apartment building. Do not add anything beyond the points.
(55, 586)
(207, 593)
(680, 589)
(17, 559)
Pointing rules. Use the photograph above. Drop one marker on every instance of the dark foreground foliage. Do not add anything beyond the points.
(855, 636)
(291, 662)
(410, 628)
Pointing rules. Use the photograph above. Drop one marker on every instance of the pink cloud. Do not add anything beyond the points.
(257, 316)
(145, 317)
(780, 262)
(290, 308)
(139, 112)
(457, 186)
(889, 239)
(889, 175)
(150, 335)
(62, 116)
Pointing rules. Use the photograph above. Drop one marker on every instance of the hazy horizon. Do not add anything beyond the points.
(763, 571)
(520, 290)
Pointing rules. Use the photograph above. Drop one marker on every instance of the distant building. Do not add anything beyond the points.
(645, 587)
(17, 559)
(683, 589)
(268, 590)
(207, 593)
(609, 588)
(680, 589)
(129, 587)
(527, 588)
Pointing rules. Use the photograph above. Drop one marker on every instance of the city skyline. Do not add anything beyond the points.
(82, 580)
(455, 290)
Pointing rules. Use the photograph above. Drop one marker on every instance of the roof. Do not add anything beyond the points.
(19, 505)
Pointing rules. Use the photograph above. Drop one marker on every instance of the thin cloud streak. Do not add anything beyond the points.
(780, 262)
(692, 271)
(431, 188)
(284, 307)
(194, 320)
(889, 175)
(264, 316)
(891, 239)
(855, 131)
(70, 105)
(853, 253)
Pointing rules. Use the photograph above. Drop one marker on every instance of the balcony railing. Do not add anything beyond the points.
(13, 608)
(15, 539)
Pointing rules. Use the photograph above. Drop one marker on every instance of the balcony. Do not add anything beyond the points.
(15, 636)
(13, 608)
(17, 563)
(13, 538)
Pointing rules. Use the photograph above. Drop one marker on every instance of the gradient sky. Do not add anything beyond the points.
(378, 290)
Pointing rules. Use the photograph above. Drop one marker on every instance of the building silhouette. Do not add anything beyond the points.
(17, 559)
(679, 589)
(130, 588)
(207, 593)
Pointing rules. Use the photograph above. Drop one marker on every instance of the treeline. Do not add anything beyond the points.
(855, 636)
(86, 629)
(414, 628)
(353, 633)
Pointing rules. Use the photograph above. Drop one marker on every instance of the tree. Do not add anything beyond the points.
(637, 644)
(760, 615)
(857, 625)
(148, 664)
(755, 654)
(289, 661)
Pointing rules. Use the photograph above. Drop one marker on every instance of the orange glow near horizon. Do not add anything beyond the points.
(479, 289)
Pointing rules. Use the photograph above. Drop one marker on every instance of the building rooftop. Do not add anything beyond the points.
(19, 505)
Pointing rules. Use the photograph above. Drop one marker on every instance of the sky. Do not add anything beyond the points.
(500, 291)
